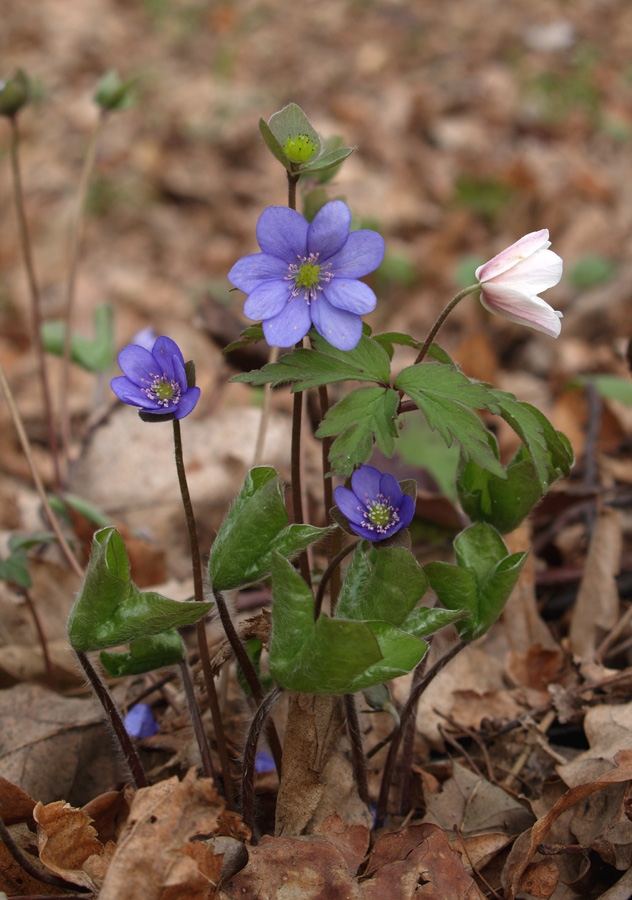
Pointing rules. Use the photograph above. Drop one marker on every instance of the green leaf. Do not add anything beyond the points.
(482, 580)
(14, 569)
(254, 527)
(364, 417)
(327, 161)
(401, 652)
(612, 387)
(387, 588)
(250, 335)
(388, 338)
(93, 355)
(423, 621)
(253, 648)
(145, 654)
(27, 541)
(305, 368)
(273, 144)
(110, 609)
(291, 122)
(448, 400)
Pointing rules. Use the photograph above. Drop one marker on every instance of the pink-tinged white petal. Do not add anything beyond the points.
(347, 293)
(290, 325)
(538, 272)
(506, 259)
(250, 270)
(519, 308)
(282, 232)
(340, 328)
(362, 253)
(267, 299)
(329, 231)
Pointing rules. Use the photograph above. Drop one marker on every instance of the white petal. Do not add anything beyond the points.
(506, 259)
(538, 272)
(521, 309)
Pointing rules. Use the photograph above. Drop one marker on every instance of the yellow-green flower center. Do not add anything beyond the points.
(307, 276)
(299, 149)
(163, 390)
(379, 513)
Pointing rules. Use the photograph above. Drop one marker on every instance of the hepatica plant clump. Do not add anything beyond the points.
(351, 608)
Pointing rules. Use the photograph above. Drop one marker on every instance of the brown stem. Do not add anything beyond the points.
(409, 742)
(389, 766)
(295, 466)
(30, 867)
(200, 735)
(113, 714)
(331, 568)
(36, 302)
(198, 588)
(441, 319)
(357, 751)
(41, 636)
(75, 246)
(250, 756)
(250, 675)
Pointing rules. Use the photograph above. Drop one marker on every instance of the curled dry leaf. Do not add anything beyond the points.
(68, 843)
(153, 858)
(15, 804)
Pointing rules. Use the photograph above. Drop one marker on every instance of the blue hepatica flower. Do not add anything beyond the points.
(375, 506)
(307, 273)
(155, 380)
(140, 722)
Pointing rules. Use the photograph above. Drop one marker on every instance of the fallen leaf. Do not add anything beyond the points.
(597, 606)
(66, 840)
(151, 855)
(15, 804)
(109, 812)
(56, 747)
(351, 841)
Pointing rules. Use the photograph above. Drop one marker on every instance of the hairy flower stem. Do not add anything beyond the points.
(327, 574)
(415, 694)
(250, 756)
(30, 867)
(30, 602)
(113, 714)
(75, 246)
(357, 751)
(335, 538)
(444, 315)
(408, 743)
(265, 411)
(200, 736)
(36, 302)
(37, 481)
(250, 675)
(198, 590)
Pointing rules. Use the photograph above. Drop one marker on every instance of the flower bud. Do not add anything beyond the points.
(14, 93)
(299, 148)
(112, 94)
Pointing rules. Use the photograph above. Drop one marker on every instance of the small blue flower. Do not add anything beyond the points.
(307, 273)
(155, 380)
(375, 506)
(140, 722)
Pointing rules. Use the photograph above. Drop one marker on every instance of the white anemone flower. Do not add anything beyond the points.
(511, 281)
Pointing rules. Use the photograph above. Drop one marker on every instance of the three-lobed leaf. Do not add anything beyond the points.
(366, 416)
(145, 654)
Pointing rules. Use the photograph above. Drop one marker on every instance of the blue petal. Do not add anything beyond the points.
(249, 271)
(406, 511)
(290, 325)
(187, 403)
(349, 505)
(282, 232)
(366, 481)
(389, 487)
(131, 393)
(267, 300)
(164, 351)
(179, 373)
(363, 253)
(347, 293)
(137, 363)
(329, 231)
(340, 328)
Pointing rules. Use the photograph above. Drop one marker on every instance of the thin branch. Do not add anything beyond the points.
(250, 756)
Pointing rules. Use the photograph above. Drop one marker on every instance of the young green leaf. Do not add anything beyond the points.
(92, 354)
(110, 609)
(387, 588)
(365, 417)
(145, 654)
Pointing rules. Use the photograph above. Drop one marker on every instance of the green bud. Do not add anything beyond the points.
(299, 149)
(14, 93)
(112, 94)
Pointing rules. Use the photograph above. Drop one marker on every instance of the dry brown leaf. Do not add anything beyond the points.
(478, 849)
(400, 861)
(351, 841)
(152, 849)
(622, 772)
(525, 626)
(597, 606)
(55, 746)
(67, 840)
(15, 804)
(109, 812)
(196, 875)
(308, 868)
(14, 881)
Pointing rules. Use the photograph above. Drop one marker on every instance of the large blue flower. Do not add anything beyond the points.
(155, 380)
(375, 506)
(308, 273)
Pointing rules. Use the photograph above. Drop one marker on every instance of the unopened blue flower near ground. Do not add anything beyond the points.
(307, 273)
(155, 381)
(375, 506)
